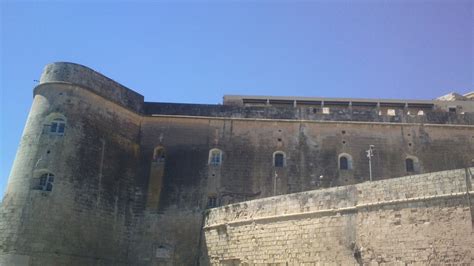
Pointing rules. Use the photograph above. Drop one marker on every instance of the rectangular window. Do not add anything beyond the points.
(343, 163)
(54, 127)
(215, 159)
(212, 202)
(326, 110)
(45, 182)
(410, 166)
(61, 128)
(279, 160)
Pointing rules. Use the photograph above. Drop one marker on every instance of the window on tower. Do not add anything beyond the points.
(45, 182)
(57, 127)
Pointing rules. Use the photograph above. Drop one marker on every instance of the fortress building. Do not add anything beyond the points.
(102, 177)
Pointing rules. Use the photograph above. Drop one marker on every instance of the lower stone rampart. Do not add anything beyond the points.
(421, 219)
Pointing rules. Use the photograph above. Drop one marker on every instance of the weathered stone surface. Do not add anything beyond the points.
(115, 202)
(422, 219)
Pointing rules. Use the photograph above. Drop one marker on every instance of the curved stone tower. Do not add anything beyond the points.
(67, 199)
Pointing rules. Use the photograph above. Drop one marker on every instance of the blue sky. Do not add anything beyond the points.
(200, 50)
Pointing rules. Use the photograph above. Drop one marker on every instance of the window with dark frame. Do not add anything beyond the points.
(45, 182)
(211, 202)
(279, 160)
(215, 157)
(410, 165)
(57, 127)
(343, 163)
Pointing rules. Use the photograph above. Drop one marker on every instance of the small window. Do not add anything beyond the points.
(215, 157)
(391, 112)
(343, 163)
(279, 159)
(57, 126)
(325, 110)
(159, 155)
(211, 202)
(410, 165)
(45, 182)
(452, 110)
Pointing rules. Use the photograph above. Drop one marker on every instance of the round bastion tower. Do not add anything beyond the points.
(68, 196)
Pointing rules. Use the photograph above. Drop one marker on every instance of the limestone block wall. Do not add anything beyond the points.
(421, 219)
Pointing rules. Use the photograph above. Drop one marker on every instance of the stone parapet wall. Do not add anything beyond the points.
(415, 219)
(305, 113)
(71, 73)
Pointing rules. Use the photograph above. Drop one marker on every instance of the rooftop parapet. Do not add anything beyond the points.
(247, 100)
(71, 73)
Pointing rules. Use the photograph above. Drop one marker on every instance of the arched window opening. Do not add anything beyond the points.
(45, 182)
(410, 165)
(343, 163)
(279, 159)
(215, 157)
(159, 155)
(57, 126)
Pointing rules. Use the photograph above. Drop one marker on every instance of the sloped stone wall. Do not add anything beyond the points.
(422, 219)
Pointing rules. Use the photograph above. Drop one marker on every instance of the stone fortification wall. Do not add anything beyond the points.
(311, 148)
(246, 170)
(83, 215)
(424, 219)
(132, 180)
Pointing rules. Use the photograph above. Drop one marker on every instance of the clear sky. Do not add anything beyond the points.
(179, 51)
